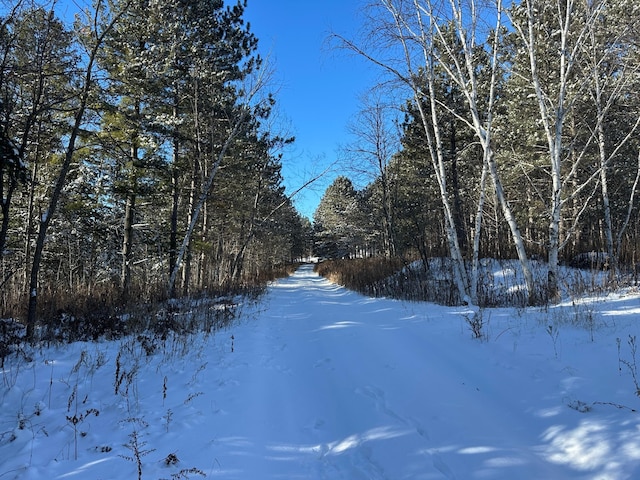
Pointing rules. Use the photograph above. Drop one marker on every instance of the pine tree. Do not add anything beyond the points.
(35, 83)
(125, 132)
(338, 221)
(92, 41)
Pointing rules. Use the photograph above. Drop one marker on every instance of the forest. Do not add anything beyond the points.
(517, 137)
(138, 160)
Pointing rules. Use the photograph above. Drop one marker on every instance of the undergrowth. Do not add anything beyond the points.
(360, 274)
(500, 282)
(394, 278)
(100, 314)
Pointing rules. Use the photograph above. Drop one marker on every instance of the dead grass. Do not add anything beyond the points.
(360, 274)
(91, 312)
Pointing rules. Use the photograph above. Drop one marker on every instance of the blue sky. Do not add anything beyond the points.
(318, 87)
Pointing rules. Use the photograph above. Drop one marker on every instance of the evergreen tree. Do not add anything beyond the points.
(338, 221)
(125, 133)
(35, 83)
(92, 38)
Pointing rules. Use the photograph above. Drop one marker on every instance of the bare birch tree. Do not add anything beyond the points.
(555, 100)
(418, 28)
(406, 52)
(467, 17)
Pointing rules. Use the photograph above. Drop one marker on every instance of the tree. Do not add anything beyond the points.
(12, 171)
(124, 134)
(12, 168)
(337, 227)
(416, 71)
(555, 36)
(35, 82)
(249, 103)
(460, 60)
(141, 124)
(416, 189)
(374, 145)
(611, 65)
(92, 40)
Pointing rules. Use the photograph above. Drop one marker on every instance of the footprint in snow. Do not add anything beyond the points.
(314, 426)
(442, 467)
(378, 396)
(420, 429)
(322, 363)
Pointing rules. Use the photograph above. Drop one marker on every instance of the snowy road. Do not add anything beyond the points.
(329, 384)
(322, 383)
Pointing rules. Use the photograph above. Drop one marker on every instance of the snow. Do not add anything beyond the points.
(317, 382)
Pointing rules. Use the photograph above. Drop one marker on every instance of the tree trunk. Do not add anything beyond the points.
(198, 206)
(127, 242)
(45, 220)
(509, 217)
(466, 77)
(5, 203)
(129, 213)
(29, 225)
(191, 216)
(606, 202)
(435, 146)
(475, 262)
(175, 197)
(553, 291)
(455, 181)
(202, 260)
(387, 214)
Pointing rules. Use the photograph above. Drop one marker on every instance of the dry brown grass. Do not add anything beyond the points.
(90, 312)
(359, 274)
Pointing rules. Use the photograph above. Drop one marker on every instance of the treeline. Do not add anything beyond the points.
(137, 159)
(519, 138)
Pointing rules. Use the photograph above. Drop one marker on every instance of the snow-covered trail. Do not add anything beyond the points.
(312, 373)
(334, 385)
(321, 383)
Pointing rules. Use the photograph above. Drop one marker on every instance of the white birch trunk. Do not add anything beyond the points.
(466, 77)
(475, 262)
(431, 126)
(415, 78)
(553, 126)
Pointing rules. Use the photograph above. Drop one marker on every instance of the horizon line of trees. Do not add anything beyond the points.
(519, 137)
(137, 157)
